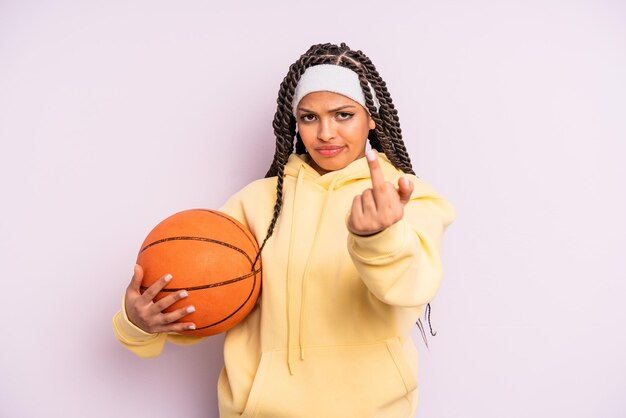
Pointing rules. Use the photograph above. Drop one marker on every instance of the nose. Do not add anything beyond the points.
(325, 131)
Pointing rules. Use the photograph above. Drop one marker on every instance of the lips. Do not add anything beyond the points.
(330, 151)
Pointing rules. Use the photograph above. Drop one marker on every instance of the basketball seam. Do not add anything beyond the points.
(190, 238)
(207, 286)
(245, 232)
(236, 310)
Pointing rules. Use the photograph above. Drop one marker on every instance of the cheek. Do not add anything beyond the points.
(355, 133)
(307, 134)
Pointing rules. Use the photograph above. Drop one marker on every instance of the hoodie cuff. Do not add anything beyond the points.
(129, 330)
(386, 243)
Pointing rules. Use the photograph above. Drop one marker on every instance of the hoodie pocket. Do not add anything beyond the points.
(334, 382)
(402, 364)
(258, 384)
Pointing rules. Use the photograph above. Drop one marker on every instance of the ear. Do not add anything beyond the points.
(372, 123)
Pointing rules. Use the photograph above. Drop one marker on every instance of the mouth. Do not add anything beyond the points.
(330, 151)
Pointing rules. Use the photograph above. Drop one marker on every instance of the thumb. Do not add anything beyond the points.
(135, 282)
(405, 188)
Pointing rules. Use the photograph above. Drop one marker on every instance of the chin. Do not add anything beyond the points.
(334, 166)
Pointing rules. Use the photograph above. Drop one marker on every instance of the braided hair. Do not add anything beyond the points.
(386, 137)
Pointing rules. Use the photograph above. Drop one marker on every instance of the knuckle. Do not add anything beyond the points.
(158, 306)
(174, 316)
(160, 320)
(144, 317)
(166, 302)
(165, 318)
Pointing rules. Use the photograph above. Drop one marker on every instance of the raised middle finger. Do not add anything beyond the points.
(376, 172)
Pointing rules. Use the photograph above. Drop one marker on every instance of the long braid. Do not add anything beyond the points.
(382, 132)
(387, 113)
(386, 137)
(285, 128)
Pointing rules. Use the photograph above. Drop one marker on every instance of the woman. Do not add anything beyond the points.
(351, 261)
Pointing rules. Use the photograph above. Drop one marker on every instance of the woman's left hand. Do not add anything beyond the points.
(382, 205)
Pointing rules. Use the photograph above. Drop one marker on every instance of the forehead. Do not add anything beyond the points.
(325, 100)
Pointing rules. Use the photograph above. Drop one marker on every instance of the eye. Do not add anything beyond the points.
(344, 115)
(307, 118)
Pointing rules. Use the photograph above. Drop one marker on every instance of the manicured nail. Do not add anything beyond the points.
(405, 182)
(183, 294)
(191, 309)
(192, 326)
(167, 278)
(370, 155)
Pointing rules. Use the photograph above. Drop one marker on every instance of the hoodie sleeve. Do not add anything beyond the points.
(144, 344)
(402, 264)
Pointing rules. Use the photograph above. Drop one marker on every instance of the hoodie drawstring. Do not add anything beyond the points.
(290, 266)
(307, 266)
(289, 284)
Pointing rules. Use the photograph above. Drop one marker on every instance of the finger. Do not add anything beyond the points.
(376, 172)
(405, 189)
(135, 282)
(368, 202)
(177, 327)
(156, 287)
(357, 207)
(169, 300)
(170, 317)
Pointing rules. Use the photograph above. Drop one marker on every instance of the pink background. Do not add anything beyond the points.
(114, 115)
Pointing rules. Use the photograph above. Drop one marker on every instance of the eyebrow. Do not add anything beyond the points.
(302, 109)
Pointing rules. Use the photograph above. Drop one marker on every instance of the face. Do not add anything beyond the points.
(333, 129)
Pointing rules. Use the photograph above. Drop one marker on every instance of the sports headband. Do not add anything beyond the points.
(333, 78)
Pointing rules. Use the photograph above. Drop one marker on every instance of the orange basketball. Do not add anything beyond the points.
(211, 255)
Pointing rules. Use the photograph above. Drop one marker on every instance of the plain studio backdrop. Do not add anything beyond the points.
(114, 115)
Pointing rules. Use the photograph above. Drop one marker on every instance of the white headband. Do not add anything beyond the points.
(333, 78)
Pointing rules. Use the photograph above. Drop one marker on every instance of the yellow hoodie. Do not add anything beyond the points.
(330, 335)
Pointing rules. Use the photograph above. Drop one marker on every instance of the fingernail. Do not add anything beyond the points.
(191, 326)
(190, 309)
(405, 182)
(167, 278)
(370, 155)
(183, 294)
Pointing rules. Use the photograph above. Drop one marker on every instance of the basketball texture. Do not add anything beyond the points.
(211, 255)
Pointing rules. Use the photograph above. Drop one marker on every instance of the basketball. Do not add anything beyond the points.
(211, 255)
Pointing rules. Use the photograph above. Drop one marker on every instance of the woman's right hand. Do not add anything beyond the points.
(147, 314)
